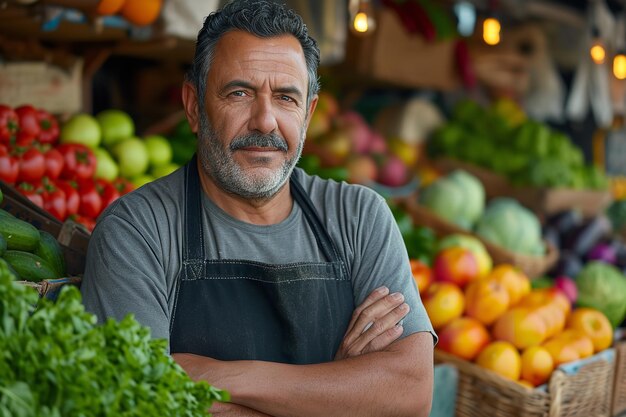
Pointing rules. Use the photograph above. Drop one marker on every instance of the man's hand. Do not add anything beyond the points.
(374, 324)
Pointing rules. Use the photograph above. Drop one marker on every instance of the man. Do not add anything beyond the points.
(251, 269)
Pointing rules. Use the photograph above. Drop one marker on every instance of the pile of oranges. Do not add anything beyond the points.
(496, 320)
(137, 12)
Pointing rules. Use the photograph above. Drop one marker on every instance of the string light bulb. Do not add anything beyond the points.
(619, 65)
(491, 31)
(597, 50)
(362, 13)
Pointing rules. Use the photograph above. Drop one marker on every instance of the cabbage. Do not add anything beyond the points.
(458, 198)
(509, 225)
(603, 287)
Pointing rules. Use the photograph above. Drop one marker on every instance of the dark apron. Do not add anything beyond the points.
(233, 309)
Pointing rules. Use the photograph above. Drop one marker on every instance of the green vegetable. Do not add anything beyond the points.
(603, 287)
(616, 213)
(458, 198)
(3, 245)
(54, 361)
(50, 251)
(29, 266)
(509, 225)
(550, 172)
(19, 234)
(421, 243)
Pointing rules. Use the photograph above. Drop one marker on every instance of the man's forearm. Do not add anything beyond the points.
(393, 382)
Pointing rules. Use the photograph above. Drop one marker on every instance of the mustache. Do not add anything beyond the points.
(271, 140)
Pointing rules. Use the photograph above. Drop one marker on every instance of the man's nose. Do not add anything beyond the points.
(263, 118)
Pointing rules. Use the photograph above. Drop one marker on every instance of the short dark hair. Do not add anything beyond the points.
(261, 18)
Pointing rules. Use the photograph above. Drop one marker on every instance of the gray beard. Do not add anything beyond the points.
(217, 161)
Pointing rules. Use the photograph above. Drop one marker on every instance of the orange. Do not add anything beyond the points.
(464, 337)
(537, 365)
(561, 351)
(443, 302)
(594, 324)
(553, 317)
(513, 279)
(109, 7)
(520, 326)
(525, 384)
(502, 358)
(422, 274)
(141, 12)
(486, 300)
(579, 341)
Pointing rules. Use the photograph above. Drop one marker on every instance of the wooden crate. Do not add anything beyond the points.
(577, 389)
(542, 201)
(533, 266)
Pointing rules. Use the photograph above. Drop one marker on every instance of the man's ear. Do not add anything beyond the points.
(190, 103)
(311, 109)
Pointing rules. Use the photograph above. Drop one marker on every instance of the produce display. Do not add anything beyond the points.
(459, 198)
(75, 169)
(343, 146)
(55, 361)
(526, 152)
(494, 317)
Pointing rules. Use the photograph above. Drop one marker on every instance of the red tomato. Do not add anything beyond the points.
(9, 123)
(32, 166)
(55, 202)
(108, 192)
(29, 125)
(54, 162)
(90, 201)
(123, 185)
(72, 198)
(80, 161)
(49, 127)
(31, 191)
(9, 166)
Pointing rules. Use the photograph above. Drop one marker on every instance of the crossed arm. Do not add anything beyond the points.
(373, 373)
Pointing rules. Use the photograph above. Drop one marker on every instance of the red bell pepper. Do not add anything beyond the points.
(9, 124)
(80, 161)
(49, 127)
(29, 125)
(32, 166)
(9, 166)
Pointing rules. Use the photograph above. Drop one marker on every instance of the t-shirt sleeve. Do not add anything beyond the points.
(383, 260)
(123, 275)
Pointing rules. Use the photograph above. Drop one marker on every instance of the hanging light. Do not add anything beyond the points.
(619, 65)
(466, 17)
(491, 31)
(597, 50)
(362, 17)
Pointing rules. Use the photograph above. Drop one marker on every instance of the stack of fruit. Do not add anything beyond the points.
(137, 12)
(492, 315)
(63, 169)
(341, 145)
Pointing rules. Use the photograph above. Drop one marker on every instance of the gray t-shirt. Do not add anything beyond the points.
(135, 251)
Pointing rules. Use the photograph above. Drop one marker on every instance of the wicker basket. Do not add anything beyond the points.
(619, 388)
(533, 266)
(584, 393)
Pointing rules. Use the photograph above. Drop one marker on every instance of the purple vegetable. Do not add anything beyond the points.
(603, 252)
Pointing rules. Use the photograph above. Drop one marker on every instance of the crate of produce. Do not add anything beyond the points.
(533, 266)
(542, 201)
(619, 387)
(576, 389)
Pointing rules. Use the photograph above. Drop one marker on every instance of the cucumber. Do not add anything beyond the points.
(3, 245)
(29, 266)
(5, 267)
(50, 251)
(20, 235)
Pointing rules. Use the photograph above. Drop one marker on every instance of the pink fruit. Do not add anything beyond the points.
(567, 286)
(393, 172)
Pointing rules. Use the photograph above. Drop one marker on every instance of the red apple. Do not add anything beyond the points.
(393, 172)
(457, 265)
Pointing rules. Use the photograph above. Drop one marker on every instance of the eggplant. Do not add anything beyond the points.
(565, 221)
(569, 264)
(551, 235)
(602, 251)
(581, 239)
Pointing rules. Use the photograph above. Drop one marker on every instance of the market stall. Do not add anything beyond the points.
(494, 130)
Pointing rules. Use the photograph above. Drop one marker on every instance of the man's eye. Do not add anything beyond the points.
(238, 93)
(286, 98)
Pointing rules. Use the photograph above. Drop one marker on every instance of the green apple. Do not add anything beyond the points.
(159, 150)
(132, 157)
(163, 170)
(142, 179)
(81, 128)
(115, 125)
(106, 167)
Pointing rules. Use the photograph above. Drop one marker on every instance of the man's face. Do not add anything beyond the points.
(252, 131)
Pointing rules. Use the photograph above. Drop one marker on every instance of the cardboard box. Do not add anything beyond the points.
(392, 55)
